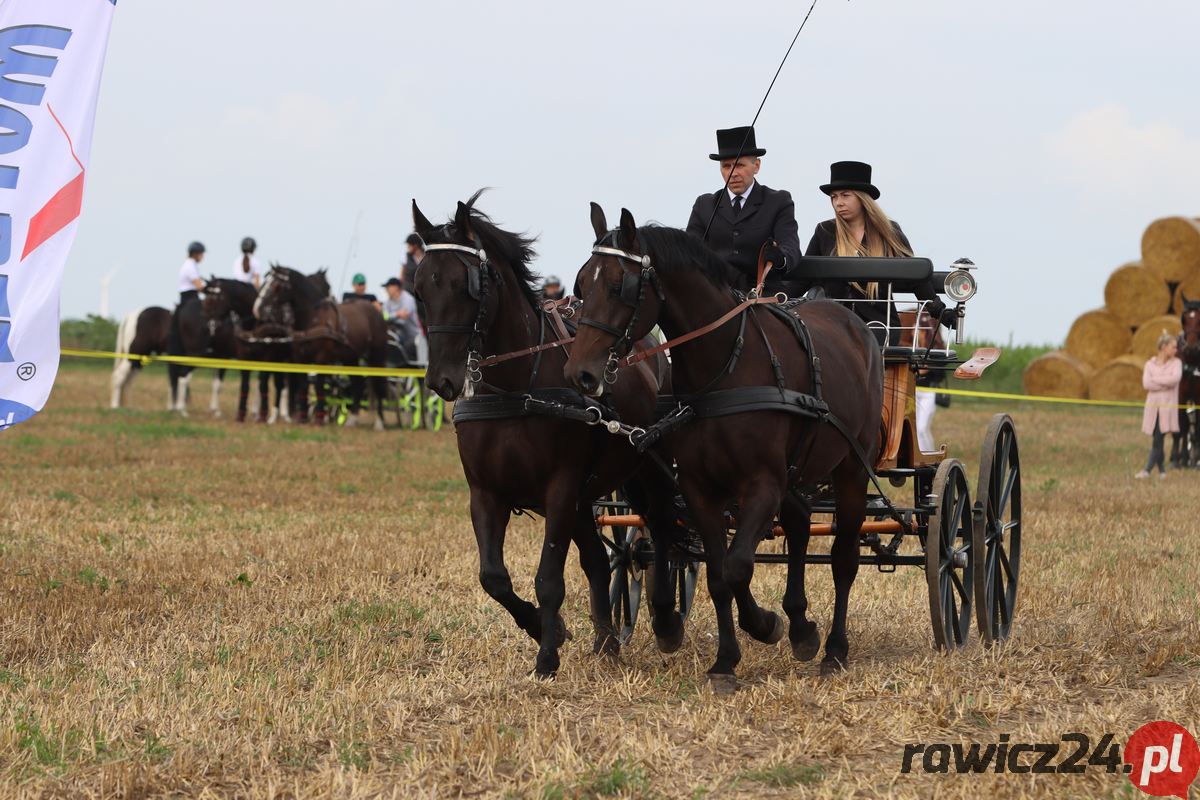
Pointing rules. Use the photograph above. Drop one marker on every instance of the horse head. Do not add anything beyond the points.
(622, 299)
(470, 268)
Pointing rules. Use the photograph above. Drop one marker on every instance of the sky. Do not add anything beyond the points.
(1037, 138)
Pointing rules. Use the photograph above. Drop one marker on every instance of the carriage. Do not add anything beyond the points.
(970, 551)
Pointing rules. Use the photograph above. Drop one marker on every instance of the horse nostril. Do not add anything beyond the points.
(587, 381)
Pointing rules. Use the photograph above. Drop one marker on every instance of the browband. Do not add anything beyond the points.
(478, 253)
(612, 251)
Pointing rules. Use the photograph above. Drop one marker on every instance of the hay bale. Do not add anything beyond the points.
(1145, 339)
(1057, 374)
(1135, 294)
(1189, 286)
(1119, 379)
(1171, 248)
(1098, 337)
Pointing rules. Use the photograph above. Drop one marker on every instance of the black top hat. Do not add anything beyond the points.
(732, 142)
(850, 175)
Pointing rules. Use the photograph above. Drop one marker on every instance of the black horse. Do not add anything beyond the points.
(189, 336)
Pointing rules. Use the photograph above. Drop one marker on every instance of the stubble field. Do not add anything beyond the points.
(200, 608)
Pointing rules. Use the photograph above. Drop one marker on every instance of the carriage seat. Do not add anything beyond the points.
(902, 273)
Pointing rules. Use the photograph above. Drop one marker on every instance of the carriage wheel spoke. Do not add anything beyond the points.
(1006, 495)
(958, 585)
(1004, 563)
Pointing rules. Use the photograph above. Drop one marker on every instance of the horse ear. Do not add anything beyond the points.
(420, 223)
(628, 236)
(599, 223)
(462, 221)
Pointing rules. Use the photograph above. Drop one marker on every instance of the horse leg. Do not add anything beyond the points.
(489, 518)
(299, 395)
(214, 405)
(122, 376)
(379, 389)
(172, 386)
(551, 589)
(283, 396)
(651, 495)
(755, 515)
(709, 518)
(850, 489)
(243, 396)
(181, 396)
(594, 562)
(794, 516)
(358, 387)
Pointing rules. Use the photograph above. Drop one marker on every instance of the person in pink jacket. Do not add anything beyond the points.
(1160, 379)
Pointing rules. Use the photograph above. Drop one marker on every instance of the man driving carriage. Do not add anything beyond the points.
(747, 213)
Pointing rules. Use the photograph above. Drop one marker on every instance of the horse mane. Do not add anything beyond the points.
(672, 250)
(514, 249)
(301, 283)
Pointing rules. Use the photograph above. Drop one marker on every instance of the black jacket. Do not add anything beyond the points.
(824, 243)
(768, 214)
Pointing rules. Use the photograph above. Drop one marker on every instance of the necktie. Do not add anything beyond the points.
(737, 205)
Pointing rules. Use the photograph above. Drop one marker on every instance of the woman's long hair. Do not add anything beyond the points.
(880, 238)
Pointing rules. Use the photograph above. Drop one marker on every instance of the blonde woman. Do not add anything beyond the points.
(1160, 379)
(860, 228)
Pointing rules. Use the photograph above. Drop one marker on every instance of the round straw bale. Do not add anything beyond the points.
(1189, 287)
(1057, 374)
(1119, 379)
(1134, 294)
(1171, 248)
(1145, 339)
(1098, 337)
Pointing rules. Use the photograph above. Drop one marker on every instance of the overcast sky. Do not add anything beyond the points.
(1038, 138)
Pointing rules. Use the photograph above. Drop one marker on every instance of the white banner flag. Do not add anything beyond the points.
(51, 59)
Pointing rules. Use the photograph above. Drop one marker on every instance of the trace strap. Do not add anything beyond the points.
(634, 358)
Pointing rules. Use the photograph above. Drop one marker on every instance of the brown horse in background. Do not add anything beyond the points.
(639, 277)
(325, 333)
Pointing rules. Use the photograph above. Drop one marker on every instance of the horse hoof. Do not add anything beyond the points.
(351, 421)
(722, 685)
(831, 667)
(807, 648)
(544, 676)
(778, 629)
(673, 640)
(378, 425)
(606, 644)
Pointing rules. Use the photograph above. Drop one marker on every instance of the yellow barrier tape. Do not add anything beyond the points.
(1034, 398)
(256, 366)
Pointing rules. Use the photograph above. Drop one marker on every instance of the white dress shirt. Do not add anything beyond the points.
(744, 195)
(189, 272)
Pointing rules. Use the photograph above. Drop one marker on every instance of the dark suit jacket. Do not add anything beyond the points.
(824, 243)
(768, 214)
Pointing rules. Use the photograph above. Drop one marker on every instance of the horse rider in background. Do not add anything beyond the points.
(247, 268)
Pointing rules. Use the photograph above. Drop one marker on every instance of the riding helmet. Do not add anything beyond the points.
(194, 248)
(249, 245)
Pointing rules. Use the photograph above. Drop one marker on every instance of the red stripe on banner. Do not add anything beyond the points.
(57, 214)
(63, 208)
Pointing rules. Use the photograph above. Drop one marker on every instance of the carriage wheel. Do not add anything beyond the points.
(685, 575)
(628, 578)
(435, 412)
(997, 534)
(949, 556)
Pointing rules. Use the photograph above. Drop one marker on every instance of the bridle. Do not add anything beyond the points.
(632, 294)
(479, 279)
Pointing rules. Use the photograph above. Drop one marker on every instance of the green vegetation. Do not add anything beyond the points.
(92, 333)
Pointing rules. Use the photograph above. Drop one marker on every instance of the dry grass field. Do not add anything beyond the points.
(200, 608)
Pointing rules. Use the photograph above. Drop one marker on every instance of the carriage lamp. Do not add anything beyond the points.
(960, 285)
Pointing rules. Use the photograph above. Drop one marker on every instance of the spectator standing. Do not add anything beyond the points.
(1160, 379)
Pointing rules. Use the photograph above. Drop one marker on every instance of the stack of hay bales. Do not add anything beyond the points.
(1106, 348)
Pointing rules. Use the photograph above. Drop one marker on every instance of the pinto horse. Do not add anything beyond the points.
(1185, 445)
(734, 453)
(324, 332)
(522, 436)
(141, 333)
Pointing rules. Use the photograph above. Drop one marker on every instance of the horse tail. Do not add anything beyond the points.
(122, 367)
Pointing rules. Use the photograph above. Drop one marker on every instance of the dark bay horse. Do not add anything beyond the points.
(480, 299)
(189, 337)
(141, 333)
(323, 332)
(748, 460)
(229, 307)
(1185, 445)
